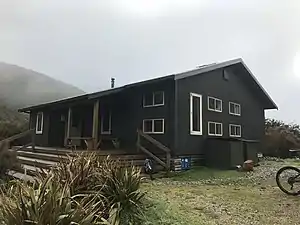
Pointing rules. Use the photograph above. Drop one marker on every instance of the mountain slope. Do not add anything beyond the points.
(21, 87)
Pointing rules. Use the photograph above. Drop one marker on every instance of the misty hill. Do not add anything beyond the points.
(21, 87)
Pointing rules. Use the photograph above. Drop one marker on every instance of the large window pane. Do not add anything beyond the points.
(211, 103)
(211, 128)
(196, 113)
(39, 123)
(147, 126)
(158, 126)
(148, 99)
(158, 98)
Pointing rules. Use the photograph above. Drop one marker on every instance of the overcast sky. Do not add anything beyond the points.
(85, 42)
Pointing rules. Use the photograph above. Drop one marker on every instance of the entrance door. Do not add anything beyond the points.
(57, 126)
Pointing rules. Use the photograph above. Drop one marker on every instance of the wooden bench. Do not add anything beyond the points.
(115, 141)
(89, 142)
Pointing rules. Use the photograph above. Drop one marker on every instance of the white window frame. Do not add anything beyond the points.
(153, 132)
(154, 105)
(109, 124)
(192, 132)
(215, 134)
(42, 123)
(215, 99)
(235, 125)
(233, 113)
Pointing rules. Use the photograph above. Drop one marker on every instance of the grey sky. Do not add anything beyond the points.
(87, 42)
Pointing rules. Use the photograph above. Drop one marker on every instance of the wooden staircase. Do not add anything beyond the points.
(35, 159)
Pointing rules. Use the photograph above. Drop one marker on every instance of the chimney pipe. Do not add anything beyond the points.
(112, 84)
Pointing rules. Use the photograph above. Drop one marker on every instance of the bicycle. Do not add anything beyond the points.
(292, 180)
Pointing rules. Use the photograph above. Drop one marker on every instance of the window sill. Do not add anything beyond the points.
(150, 106)
(153, 132)
(233, 114)
(195, 133)
(214, 110)
(235, 136)
(216, 135)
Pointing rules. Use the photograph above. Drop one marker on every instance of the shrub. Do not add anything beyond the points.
(280, 138)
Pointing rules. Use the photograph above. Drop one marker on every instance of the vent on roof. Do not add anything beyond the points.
(112, 82)
(206, 65)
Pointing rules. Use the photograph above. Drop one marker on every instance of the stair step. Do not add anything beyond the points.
(20, 176)
(41, 156)
(35, 162)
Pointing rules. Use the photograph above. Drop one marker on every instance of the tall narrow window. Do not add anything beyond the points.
(214, 104)
(235, 130)
(106, 122)
(39, 123)
(234, 109)
(195, 114)
(215, 129)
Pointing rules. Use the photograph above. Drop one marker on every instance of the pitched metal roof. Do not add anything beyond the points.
(186, 74)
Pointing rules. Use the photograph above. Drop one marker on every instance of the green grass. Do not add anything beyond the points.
(203, 173)
(187, 198)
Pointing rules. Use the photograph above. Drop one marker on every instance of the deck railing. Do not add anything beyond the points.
(166, 150)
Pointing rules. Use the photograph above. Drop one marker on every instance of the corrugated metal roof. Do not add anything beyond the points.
(197, 71)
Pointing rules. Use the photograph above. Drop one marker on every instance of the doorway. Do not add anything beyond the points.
(57, 129)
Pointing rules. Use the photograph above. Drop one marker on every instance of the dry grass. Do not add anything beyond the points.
(234, 199)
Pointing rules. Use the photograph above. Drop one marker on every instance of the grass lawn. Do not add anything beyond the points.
(205, 196)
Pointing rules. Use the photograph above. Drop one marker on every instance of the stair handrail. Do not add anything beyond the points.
(154, 141)
(162, 147)
(21, 135)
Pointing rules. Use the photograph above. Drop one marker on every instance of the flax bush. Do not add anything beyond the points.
(83, 189)
(47, 202)
(117, 182)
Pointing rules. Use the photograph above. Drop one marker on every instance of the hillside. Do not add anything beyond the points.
(22, 87)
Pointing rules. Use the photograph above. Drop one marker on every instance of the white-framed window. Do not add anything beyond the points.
(235, 130)
(39, 123)
(234, 109)
(215, 129)
(154, 99)
(153, 126)
(106, 122)
(214, 104)
(195, 114)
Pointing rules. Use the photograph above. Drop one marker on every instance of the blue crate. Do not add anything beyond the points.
(186, 163)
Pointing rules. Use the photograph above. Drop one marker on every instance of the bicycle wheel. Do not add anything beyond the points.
(291, 175)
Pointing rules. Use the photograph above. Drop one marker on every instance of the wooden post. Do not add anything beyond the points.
(168, 161)
(68, 125)
(95, 124)
(138, 142)
(33, 139)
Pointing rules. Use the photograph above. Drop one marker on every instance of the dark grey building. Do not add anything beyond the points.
(185, 112)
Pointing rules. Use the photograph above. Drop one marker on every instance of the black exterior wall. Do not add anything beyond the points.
(127, 114)
(213, 84)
